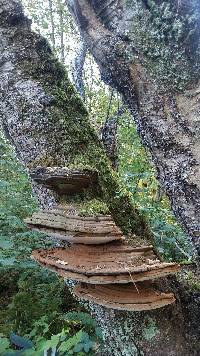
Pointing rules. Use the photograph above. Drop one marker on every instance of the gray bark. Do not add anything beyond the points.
(109, 135)
(161, 92)
(77, 64)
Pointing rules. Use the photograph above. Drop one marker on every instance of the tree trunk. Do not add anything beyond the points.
(77, 68)
(47, 121)
(52, 25)
(61, 25)
(142, 53)
(49, 127)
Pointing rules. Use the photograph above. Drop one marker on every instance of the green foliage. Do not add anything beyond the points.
(16, 201)
(27, 292)
(38, 292)
(80, 336)
(85, 320)
(33, 300)
(93, 207)
(139, 175)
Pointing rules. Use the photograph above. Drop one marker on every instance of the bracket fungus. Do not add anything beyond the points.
(98, 256)
(129, 297)
(105, 264)
(63, 179)
(73, 228)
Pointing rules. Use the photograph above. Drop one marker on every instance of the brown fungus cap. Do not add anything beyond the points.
(128, 297)
(73, 228)
(108, 263)
(63, 179)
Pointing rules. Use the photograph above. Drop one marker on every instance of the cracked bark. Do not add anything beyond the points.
(49, 127)
(167, 122)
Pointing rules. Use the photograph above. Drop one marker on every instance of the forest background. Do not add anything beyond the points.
(34, 303)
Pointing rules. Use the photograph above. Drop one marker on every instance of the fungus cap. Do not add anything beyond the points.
(63, 179)
(74, 228)
(128, 297)
(108, 263)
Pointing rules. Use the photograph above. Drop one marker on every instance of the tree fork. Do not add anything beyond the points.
(167, 120)
(47, 121)
(49, 127)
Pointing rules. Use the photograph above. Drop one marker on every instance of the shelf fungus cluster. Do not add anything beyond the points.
(110, 272)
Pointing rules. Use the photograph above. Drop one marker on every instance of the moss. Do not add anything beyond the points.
(192, 281)
(136, 241)
(43, 161)
(86, 203)
(93, 207)
(70, 140)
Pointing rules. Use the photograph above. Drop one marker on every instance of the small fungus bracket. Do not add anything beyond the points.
(73, 228)
(63, 179)
(126, 297)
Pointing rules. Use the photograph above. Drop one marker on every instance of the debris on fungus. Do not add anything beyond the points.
(107, 263)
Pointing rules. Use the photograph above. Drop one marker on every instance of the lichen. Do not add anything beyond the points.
(150, 330)
(192, 281)
(166, 34)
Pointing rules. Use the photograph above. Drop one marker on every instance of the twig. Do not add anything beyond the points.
(133, 282)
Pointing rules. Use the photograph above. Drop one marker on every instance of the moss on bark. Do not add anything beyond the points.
(54, 123)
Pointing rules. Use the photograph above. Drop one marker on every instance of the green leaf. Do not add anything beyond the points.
(80, 317)
(49, 344)
(20, 341)
(88, 346)
(71, 342)
(4, 344)
(79, 347)
(7, 261)
(41, 346)
(5, 244)
(98, 332)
